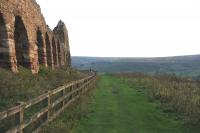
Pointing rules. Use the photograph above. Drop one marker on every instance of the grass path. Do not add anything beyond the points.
(117, 108)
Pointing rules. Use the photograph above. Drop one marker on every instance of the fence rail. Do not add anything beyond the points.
(67, 95)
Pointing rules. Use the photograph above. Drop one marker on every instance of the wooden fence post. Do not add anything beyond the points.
(20, 117)
(48, 105)
(71, 89)
(78, 89)
(74, 88)
(85, 86)
(63, 102)
(81, 86)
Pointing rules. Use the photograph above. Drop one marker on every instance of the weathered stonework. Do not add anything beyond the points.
(26, 40)
(61, 33)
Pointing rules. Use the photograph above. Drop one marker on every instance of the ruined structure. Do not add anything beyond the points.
(26, 40)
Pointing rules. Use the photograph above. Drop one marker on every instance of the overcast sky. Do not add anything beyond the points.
(127, 28)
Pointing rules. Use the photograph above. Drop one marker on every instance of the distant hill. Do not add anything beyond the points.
(179, 65)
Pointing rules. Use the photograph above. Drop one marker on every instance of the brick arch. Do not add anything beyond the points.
(59, 52)
(40, 44)
(54, 47)
(4, 48)
(19, 24)
(48, 50)
(22, 44)
(61, 33)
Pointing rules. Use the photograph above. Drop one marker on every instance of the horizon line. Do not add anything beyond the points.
(135, 56)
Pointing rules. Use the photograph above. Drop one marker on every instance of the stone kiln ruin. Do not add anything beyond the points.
(26, 40)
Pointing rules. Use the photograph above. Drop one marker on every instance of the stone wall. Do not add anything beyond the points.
(61, 33)
(26, 40)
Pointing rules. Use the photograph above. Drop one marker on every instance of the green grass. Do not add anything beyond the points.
(25, 86)
(119, 108)
(68, 120)
(115, 106)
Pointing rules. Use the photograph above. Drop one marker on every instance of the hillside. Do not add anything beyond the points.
(179, 65)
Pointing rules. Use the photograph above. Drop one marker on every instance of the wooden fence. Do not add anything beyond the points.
(62, 96)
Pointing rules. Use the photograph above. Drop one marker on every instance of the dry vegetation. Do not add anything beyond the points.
(68, 120)
(25, 86)
(181, 95)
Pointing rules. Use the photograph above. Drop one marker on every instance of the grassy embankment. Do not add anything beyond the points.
(119, 106)
(66, 122)
(24, 85)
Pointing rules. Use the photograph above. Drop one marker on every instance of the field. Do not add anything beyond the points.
(118, 106)
(180, 65)
(164, 98)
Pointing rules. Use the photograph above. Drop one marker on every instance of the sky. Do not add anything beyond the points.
(127, 28)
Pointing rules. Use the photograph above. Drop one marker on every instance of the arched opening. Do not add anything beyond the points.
(48, 50)
(4, 50)
(40, 47)
(59, 52)
(54, 51)
(68, 59)
(21, 43)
